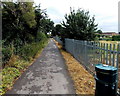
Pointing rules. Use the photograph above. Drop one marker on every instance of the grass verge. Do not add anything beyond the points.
(84, 82)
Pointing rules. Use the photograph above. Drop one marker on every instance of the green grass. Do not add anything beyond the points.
(9, 74)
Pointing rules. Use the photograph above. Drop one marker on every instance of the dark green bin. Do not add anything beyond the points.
(106, 80)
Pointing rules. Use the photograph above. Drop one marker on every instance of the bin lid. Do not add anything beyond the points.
(106, 67)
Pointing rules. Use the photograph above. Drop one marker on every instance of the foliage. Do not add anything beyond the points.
(20, 64)
(58, 29)
(8, 76)
(116, 38)
(99, 31)
(6, 54)
(44, 24)
(79, 25)
(22, 22)
(47, 25)
(24, 34)
(18, 19)
(41, 36)
(29, 51)
(17, 64)
(23, 26)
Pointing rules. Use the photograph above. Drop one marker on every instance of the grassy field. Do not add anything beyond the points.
(110, 42)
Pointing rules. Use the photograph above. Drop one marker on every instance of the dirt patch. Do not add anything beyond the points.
(84, 82)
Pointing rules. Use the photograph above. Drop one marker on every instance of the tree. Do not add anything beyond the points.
(44, 24)
(58, 29)
(116, 38)
(39, 16)
(99, 31)
(18, 20)
(47, 25)
(79, 25)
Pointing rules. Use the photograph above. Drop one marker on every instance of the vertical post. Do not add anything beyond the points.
(101, 47)
(99, 52)
(118, 53)
(64, 43)
(73, 45)
(117, 62)
(85, 44)
(106, 53)
(113, 55)
(94, 51)
(110, 54)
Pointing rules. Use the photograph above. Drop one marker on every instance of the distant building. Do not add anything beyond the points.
(109, 34)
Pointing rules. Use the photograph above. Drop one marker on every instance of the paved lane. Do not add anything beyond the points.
(47, 75)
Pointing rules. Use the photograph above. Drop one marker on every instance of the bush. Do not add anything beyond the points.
(26, 51)
(116, 38)
(40, 36)
(29, 51)
(6, 54)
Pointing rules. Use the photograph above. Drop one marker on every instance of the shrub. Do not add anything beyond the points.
(41, 36)
(6, 54)
(29, 51)
(116, 38)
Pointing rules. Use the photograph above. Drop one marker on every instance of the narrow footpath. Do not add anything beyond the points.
(47, 75)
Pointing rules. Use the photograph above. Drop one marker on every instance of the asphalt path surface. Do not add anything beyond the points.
(47, 75)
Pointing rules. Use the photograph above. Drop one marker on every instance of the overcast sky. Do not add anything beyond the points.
(105, 11)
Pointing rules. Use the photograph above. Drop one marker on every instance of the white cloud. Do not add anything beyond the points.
(119, 18)
(105, 11)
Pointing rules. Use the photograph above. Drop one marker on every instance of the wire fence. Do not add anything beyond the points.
(90, 53)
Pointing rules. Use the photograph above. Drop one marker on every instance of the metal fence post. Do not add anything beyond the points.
(85, 46)
(117, 63)
(73, 46)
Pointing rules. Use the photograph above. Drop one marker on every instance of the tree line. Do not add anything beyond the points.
(23, 24)
(77, 25)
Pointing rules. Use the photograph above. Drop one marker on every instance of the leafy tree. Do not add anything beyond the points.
(47, 25)
(79, 25)
(99, 31)
(58, 29)
(44, 24)
(39, 16)
(22, 22)
(18, 19)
